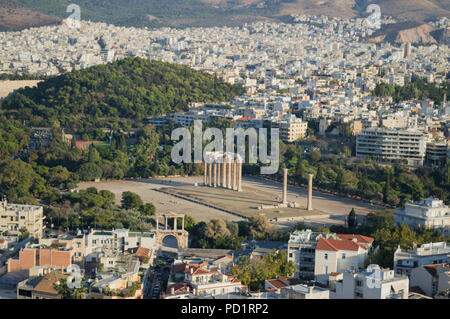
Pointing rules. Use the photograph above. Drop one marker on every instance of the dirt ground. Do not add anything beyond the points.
(334, 206)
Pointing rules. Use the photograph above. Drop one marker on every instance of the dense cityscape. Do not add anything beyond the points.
(94, 205)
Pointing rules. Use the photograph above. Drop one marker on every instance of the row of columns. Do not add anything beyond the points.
(224, 174)
(166, 218)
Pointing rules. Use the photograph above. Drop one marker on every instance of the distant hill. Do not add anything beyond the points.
(410, 10)
(14, 16)
(185, 13)
(413, 32)
(156, 13)
(131, 88)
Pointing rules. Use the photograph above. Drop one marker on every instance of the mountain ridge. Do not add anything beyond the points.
(185, 13)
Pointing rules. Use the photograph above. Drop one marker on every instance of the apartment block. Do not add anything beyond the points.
(338, 256)
(372, 283)
(291, 128)
(13, 217)
(302, 249)
(409, 145)
(427, 213)
(31, 257)
(427, 254)
(431, 279)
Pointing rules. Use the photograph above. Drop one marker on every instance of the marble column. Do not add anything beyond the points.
(215, 174)
(210, 174)
(239, 177)
(285, 173)
(310, 181)
(229, 174)
(224, 172)
(235, 175)
(205, 172)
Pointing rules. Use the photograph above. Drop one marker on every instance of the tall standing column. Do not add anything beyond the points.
(229, 174)
(310, 181)
(205, 172)
(219, 173)
(210, 174)
(215, 174)
(224, 172)
(239, 177)
(285, 173)
(235, 175)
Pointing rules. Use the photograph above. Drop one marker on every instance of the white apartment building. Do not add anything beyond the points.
(429, 213)
(334, 256)
(388, 144)
(431, 278)
(302, 249)
(14, 216)
(426, 254)
(304, 292)
(291, 128)
(186, 119)
(372, 283)
(116, 239)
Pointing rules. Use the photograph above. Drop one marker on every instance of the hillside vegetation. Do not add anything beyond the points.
(131, 88)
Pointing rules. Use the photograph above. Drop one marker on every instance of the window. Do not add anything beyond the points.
(343, 256)
(325, 256)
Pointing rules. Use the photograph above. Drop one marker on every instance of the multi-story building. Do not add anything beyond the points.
(302, 249)
(338, 256)
(427, 213)
(431, 279)
(204, 280)
(426, 254)
(14, 217)
(304, 292)
(41, 287)
(291, 128)
(437, 152)
(409, 145)
(68, 241)
(44, 257)
(122, 281)
(372, 283)
(118, 239)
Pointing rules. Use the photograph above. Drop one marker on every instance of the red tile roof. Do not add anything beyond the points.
(432, 269)
(359, 238)
(277, 283)
(200, 272)
(336, 245)
(178, 288)
(143, 252)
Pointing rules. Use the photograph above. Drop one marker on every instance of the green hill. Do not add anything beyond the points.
(131, 88)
